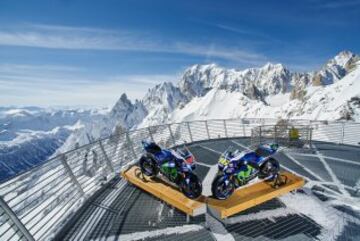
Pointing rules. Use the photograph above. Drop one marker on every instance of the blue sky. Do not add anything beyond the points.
(89, 52)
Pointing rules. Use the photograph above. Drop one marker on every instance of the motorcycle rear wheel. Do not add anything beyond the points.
(270, 168)
(222, 188)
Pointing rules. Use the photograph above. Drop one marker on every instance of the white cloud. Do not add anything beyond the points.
(340, 4)
(49, 85)
(64, 37)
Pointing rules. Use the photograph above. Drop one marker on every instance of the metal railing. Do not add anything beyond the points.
(35, 205)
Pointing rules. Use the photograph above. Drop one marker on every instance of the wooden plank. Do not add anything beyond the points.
(253, 195)
(242, 199)
(166, 192)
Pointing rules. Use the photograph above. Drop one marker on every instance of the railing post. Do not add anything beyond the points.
(275, 134)
(12, 216)
(260, 134)
(151, 135)
(131, 146)
(172, 135)
(225, 129)
(207, 129)
(243, 127)
(107, 160)
(343, 133)
(188, 126)
(71, 174)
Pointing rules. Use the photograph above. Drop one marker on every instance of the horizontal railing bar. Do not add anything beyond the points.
(12, 226)
(59, 186)
(14, 219)
(11, 180)
(15, 233)
(70, 200)
(60, 218)
(72, 195)
(46, 184)
(23, 216)
(23, 181)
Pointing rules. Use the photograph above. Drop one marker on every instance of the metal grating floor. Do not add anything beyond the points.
(122, 212)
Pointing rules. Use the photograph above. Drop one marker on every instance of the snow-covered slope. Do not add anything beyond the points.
(30, 135)
(340, 100)
(271, 91)
(203, 92)
(210, 91)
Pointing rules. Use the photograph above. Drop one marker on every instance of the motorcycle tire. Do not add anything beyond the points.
(222, 188)
(270, 168)
(191, 186)
(148, 166)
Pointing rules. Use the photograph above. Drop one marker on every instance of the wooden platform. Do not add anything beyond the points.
(250, 196)
(242, 199)
(166, 192)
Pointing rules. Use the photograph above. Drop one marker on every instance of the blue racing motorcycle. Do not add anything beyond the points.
(237, 168)
(177, 166)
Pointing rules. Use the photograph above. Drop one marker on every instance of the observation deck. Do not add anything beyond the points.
(74, 198)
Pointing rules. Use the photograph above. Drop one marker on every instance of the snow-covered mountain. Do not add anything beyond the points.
(211, 91)
(30, 135)
(273, 91)
(202, 92)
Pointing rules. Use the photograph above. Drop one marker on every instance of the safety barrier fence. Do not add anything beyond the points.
(36, 204)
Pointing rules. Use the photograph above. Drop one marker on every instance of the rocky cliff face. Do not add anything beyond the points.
(126, 113)
(335, 69)
(210, 91)
(254, 83)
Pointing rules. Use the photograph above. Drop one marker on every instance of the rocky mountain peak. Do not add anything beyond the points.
(165, 94)
(341, 59)
(126, 113)
(335, 69)
(123, 104)
(272, 67)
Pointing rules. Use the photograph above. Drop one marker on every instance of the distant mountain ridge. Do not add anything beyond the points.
(160, 103)
(202, 92)
(31, 135)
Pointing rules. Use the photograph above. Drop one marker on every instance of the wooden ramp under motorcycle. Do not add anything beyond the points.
(165, 192)
(250, 196)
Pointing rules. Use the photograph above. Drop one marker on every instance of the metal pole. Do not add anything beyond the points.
(71, 174)
(172, 135)
(130, 145)
(207, 129)
(225, 129)
(343, 133)
(275, 134)
(12, 216)
(260, 134)
(188, 126)
(151, 135)
(107, 160)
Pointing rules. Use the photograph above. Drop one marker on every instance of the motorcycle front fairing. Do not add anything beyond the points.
(163, 156)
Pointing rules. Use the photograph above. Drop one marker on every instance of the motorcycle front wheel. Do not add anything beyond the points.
(222, 187)
(190, 186)
(148, 166)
